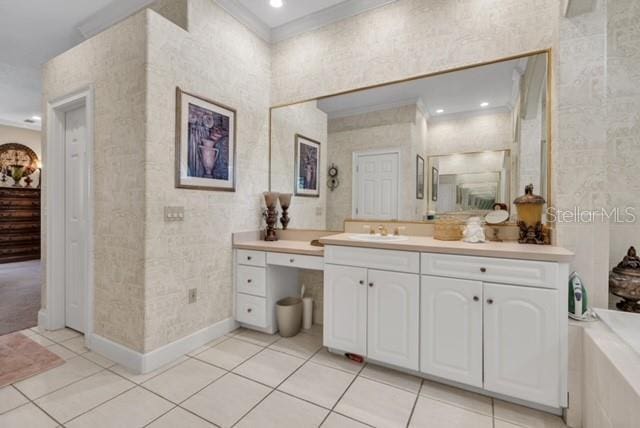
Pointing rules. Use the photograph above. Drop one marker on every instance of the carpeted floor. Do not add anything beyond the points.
(19, 295)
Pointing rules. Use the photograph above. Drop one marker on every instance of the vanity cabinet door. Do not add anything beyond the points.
(522, 343)
(345, 308)
(393, 305)
(451, 329)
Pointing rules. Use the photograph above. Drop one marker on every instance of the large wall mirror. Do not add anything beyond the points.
(457, 142)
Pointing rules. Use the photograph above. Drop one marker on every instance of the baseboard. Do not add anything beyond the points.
(43, 319)
(143, 363)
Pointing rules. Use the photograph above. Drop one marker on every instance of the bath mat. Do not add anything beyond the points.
(21, 357)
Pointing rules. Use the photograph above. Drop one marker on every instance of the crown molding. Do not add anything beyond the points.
(301, 25)
(246, 17)
(470, 113)
(110, 15)
(23, 125)
(325, 17)
(372, 108)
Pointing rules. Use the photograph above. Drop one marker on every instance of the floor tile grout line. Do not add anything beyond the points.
(355, 376)
(102, 403)
(47, 413)
(415, 403)
(274, 389)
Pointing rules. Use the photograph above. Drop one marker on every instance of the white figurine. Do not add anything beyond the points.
(473, 231)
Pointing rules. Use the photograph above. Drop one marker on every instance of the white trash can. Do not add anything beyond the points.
(289, 316)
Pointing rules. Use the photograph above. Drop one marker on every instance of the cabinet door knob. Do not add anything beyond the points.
(371, 284)
(361, 282)
(248, 257)
(249, 281)
(291, 260)
(490, 301)
(476, 298)
(249, 310)
(483, 270)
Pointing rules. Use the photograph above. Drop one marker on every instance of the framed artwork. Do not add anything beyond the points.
(307, 167)
(17, 164)
(419, 177)
(205, 144)
(434, 183)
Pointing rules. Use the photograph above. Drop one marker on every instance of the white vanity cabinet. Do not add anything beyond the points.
(522, 342)
(372, 312)
(451, 329)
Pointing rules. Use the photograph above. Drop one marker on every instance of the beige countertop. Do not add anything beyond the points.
(507, 250)
(281, 246)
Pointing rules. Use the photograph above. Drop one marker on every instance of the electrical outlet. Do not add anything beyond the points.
(193, 295)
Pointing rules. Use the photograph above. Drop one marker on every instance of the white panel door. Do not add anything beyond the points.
(522, 343)
(377, 186)
(345, 308)
(451, 329)
(75, 218)
(393, 318)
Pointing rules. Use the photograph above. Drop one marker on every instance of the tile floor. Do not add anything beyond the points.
(245, 379)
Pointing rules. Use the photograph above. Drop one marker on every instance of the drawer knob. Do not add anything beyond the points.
(490, 301)
(476, 298)
(291, 260)
(249, 310)
(248, 257)
(483, 270)
(361, 282)
(249, 281)
(371, 284)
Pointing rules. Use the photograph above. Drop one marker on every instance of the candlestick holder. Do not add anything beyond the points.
(271, 215)
(285, 202)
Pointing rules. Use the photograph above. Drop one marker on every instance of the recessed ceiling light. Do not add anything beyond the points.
(276, 3)
(484, 104)
(36, 118)
(440, 111)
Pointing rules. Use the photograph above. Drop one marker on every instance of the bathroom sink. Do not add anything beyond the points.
(377, 238)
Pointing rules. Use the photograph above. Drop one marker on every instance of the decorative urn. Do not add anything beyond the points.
(529, 207)
(624, 282)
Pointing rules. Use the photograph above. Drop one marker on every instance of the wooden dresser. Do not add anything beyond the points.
(19, 224)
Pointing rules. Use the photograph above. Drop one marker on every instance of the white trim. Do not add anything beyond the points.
(42, 318)
(24, 125)
(54, 316)
(138, 362)
(324, 17)
(313, 21)
(354, 176)
(110, 15)
(414, 102)
(469, 113)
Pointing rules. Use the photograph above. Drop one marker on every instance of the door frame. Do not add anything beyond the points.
(53, 316)
(354, 176)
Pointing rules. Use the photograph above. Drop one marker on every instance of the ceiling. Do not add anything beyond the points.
(458, 92)
(34, 31)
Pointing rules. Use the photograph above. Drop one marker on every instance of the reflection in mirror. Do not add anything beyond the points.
(482, 131)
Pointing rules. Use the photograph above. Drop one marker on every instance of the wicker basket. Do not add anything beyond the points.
(448, 229)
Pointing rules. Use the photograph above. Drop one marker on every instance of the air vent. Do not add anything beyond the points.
(30, 121)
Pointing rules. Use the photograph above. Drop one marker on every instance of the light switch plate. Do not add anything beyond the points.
(173, 213)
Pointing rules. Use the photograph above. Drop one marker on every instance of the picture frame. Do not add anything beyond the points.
(205, 144)
(419, 177)
(306, 175)
(435, 178)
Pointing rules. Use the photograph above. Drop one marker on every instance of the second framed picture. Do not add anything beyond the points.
(307, 167)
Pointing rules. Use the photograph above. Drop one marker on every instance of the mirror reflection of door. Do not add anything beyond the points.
(376, 185)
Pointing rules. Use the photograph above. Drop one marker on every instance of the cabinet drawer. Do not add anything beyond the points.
(487, 269)
(400, 261)
(251, 310)
(251, 258)
(251, 280)
(295, 260)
